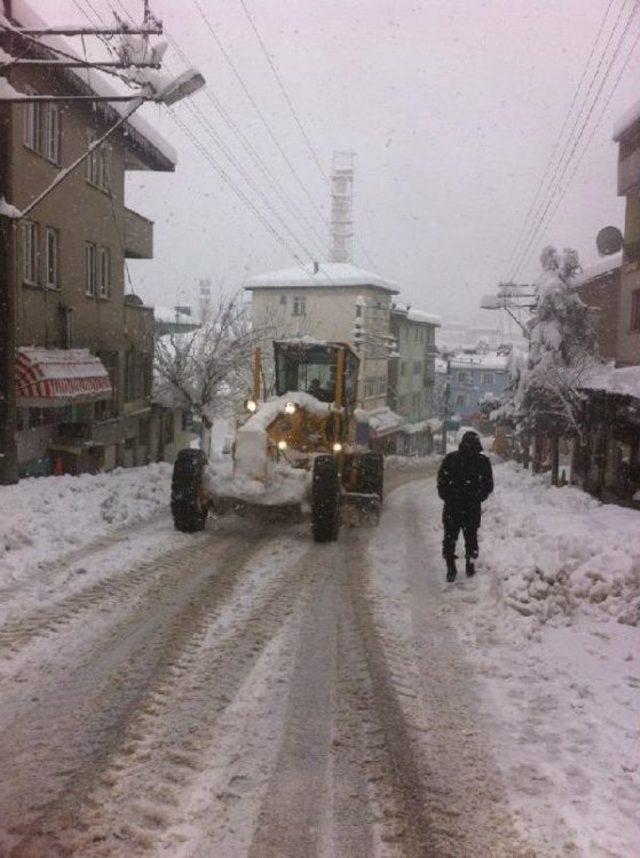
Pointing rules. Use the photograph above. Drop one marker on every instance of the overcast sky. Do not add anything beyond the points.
(452, 107)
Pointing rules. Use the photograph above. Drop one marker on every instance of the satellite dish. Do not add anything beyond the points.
(609, 240)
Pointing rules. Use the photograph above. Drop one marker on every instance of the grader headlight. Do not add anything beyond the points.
(290, 408)
(251, 405)
(337, 447)
(282, 445)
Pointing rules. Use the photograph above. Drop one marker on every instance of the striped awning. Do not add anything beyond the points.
(54, 377)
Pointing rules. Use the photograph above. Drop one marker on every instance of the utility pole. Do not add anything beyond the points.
(446, 394)
(8, 453)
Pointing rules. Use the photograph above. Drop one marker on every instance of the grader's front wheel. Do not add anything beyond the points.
(188, 505)
(325, 499)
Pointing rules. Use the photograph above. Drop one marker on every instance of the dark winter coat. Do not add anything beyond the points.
(465, 479)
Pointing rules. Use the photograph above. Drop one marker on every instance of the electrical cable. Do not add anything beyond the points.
(296, 213)
(227, 179)
(623, 68)
(296, 118)
(556, 145)
(256, 107)
(540, 222)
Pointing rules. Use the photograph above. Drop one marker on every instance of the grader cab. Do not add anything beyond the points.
(299, 446)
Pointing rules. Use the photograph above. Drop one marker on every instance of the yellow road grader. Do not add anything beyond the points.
(302, 445)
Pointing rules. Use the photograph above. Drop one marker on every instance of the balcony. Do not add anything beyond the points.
(629, 173)
(138, 236)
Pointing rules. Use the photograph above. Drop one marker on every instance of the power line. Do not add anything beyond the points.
(256, 107)
(210, 130)
(291, 206)
(227, 179)
(525, 223)
(283, 89)
(623, 68)
(554, 191)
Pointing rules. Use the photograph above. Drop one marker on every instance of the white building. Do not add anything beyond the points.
(323, 300)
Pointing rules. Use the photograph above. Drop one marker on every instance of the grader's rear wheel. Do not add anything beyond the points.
(372, 474)
(325, 499)
(188, 505)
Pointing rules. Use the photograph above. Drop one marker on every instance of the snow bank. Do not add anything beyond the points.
(410, 463)
(558, 553)
(43, 519)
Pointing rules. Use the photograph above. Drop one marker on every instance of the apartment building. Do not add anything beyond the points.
(84, 346)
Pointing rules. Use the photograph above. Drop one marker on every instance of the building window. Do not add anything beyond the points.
(104, 273)
(462, 377)
(96, 166)
(32, 124)
(417, 366)
(299, 306)
(90, 269)
(52, 133)
(403, 367)
(487, 378)
(52, 258)
(635, 310)
(460, 399)
(283, 300)
(30, 252)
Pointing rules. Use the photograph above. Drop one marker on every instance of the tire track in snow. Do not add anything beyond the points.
(56, 750)
(16, 634)
(463, 793)
(170, 738)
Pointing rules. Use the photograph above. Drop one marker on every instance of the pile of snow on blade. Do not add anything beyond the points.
(42, 519)
(556, 553)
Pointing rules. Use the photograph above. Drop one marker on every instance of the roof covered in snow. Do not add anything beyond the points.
(605, 266)
(628, 118)
(328, 274)
(487, 360)
(624, 380)
(141, 134)
(414, 315)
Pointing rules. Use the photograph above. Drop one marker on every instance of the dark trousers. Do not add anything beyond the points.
(456, 519)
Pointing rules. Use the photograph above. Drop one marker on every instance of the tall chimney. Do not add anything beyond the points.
(342, 207)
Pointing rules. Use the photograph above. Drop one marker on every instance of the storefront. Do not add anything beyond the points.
(56, 394)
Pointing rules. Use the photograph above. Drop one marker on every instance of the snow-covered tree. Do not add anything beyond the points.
(543, 393)
(208, 371)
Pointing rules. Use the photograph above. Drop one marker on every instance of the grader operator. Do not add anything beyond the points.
(302, 445)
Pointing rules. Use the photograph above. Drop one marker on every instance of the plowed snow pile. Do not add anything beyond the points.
(42, 519)
(556, 553)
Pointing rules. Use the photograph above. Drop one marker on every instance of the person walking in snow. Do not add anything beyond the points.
(465, 479)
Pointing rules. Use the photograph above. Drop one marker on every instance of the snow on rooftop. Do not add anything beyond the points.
(414, 315)
(624, 381)
(605, 266)
(626, 120)
(24, 14)
(169, 315)
(328, 274)
(489, 360)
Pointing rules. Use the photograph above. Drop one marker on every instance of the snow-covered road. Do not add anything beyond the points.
(246, 692)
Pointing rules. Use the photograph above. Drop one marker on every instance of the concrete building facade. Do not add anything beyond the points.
(66, 266)
(412, 374)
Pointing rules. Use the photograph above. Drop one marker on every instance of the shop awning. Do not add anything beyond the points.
(48, 378)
